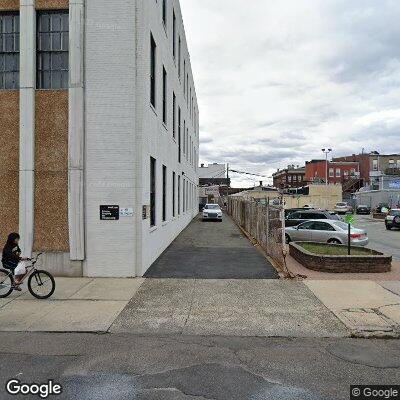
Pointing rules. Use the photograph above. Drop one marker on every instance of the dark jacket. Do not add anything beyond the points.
(11, 251)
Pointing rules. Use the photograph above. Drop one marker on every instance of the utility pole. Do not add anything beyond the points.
(326, 151)
(227, 183)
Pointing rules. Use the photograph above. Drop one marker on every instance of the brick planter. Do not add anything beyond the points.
(379, 215)
(376, 262)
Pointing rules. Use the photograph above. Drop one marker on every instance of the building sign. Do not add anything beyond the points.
(126, 212)
(145, 212)
(109, 213)
(394, 185)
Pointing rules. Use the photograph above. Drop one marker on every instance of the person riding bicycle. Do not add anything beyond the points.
(12, 256)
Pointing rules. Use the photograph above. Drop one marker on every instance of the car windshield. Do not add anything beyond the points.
(395, 213)
(362, 206)
(212, 207)
(341, 204)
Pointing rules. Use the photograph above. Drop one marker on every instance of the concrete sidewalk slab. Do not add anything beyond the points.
(59, 315)
(78, 305)
(227, 307)
(392, 286)
(342, 295)
(109, 289)
(79, 316)
(160, 306)
(366, 308)
(392, 313)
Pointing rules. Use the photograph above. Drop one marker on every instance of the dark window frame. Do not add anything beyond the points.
(153, 191)
(164, 193)
(164, 12)
(179, 135)
(173, 34)
(173, 115)
(173, 194)
(52, 50)
(9, 50)
(164, 98)
(153, 70)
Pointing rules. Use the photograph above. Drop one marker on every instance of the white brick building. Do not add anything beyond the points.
(132, 136)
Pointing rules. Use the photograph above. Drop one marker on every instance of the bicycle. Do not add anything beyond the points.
(41, 284)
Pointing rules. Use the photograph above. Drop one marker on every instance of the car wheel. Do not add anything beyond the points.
(334, 241)
(396, 220)
(389, 228)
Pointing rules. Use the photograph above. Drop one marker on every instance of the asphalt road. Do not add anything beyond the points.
(379, 238)
(212, 250)
(119, 367)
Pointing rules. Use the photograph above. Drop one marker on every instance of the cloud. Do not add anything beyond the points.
(278, 81)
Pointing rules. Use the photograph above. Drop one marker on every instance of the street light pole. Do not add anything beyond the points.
(326, 151)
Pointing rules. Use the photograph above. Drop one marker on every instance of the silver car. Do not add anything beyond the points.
(326, 231)
(212, 211)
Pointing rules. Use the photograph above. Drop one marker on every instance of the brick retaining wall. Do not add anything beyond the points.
(339, 264)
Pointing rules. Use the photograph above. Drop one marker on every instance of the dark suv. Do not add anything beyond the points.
(297, 217)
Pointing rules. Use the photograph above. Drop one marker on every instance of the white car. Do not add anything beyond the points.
(342, 208)
(212, 211)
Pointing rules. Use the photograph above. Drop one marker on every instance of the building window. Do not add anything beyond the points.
(164, 12)
(164, 193)
(184, 77)
(153, 51)
(179, 195)
(184, 137)
(152, 191)
(173, 115)
(52, 50)
(179, 56)
(179, 136)
(173, 34)
(173, 194)
(338, 173)
(184, 196)
(375, 165)
(164, 96)
(9, 51)
(331, 172)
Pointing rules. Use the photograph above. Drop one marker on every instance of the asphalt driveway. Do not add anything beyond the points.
(212, 250)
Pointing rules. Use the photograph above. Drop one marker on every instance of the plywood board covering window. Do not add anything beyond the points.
(9, 163)
(51, 171)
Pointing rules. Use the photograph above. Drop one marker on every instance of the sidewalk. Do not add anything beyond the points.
(78, 305)
(232, 307)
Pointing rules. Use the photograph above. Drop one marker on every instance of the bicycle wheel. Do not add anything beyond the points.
(6, 283)
(41, 284)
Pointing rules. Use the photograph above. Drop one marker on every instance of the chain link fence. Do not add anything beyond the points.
(265, 223)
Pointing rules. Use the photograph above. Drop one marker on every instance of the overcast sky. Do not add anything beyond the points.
(279, 80)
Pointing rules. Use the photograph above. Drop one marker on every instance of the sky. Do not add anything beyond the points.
(277, 81)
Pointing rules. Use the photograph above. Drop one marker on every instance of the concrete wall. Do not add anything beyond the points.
(156, 138)
(110, 135)
(374, 197)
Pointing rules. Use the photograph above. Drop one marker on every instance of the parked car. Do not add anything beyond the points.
(361, 209)
(212, 211)
(298, 217)
(311, 207)
(392, 220)
(289, 211)
(382, 207)
(326, 231)
(342, 208)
